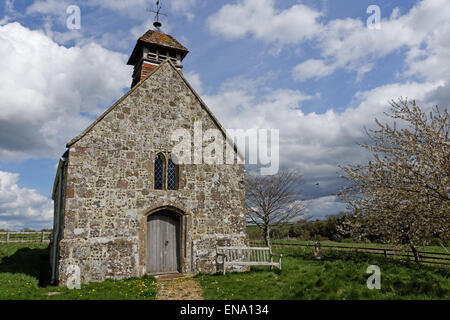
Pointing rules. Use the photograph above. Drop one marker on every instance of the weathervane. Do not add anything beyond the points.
(157, 24)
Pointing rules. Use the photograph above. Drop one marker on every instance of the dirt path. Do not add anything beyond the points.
(179, 289)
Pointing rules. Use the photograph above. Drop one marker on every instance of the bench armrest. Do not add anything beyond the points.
(223, 255)
(224, 259)
(276, 255)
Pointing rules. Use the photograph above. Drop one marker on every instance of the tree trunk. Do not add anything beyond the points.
(267, 236)
(415, 252)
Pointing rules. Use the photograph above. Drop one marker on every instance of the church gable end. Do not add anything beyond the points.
(164, 101)
(112, 204)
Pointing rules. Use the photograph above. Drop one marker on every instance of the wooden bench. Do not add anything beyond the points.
(247, 256)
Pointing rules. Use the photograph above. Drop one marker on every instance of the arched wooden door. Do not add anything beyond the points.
(163, 242)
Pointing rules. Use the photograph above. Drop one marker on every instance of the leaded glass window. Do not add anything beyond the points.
(159, 172)
(172, 175)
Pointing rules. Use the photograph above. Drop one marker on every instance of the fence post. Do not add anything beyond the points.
(7, 236)
(42, 236)
(385, 253)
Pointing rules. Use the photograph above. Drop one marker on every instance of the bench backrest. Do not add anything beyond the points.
(248, 254)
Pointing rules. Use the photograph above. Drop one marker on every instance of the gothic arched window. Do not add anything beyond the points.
(159, 172)
(172, 175)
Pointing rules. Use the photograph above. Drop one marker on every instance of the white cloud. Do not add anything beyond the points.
(260, 19)
(423, 32)
(22, 207)
(45, 87)
(315, 143)
(136, 9)
(311, 69)
(183, 7)
(49, 7)
(56, 9)
(194, 79)
(321, 207)
(432, 60)
(54, 17)
(440, 96)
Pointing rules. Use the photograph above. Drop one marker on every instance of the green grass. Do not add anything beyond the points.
(437, 249)
(340, 275)
(20, 273)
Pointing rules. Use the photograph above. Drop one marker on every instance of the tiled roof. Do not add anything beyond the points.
(162, 39)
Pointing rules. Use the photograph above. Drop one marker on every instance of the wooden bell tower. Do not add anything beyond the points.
(153, 48)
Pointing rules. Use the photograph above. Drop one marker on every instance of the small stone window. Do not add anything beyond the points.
(159, 172)
(172, 175)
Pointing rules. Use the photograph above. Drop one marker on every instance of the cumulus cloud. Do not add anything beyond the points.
(260, 19)
(184, 7)
(423, 32)
(318, 143)
(22, 207)
(312, 69)
(194, 81)
(49, 93)
(54, 15)
(315, 143)
(440, 96)
(321, 207)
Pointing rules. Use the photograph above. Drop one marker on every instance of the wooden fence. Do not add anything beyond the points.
(424, 256)
(33, 236)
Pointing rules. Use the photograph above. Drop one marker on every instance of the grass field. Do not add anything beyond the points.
(340, 275)
(19, 273)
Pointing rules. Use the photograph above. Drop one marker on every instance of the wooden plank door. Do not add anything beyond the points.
(162, 243)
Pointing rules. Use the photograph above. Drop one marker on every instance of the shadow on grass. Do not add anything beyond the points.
(32, 262)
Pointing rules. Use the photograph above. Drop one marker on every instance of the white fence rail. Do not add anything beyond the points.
(33, 236)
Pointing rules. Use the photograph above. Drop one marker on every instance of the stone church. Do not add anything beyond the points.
(123, 206)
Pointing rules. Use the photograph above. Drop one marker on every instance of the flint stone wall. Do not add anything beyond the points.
(109, 190)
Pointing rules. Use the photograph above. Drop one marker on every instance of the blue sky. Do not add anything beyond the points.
(312, 69)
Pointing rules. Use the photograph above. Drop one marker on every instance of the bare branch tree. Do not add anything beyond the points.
(403, 194)
(273, 200)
